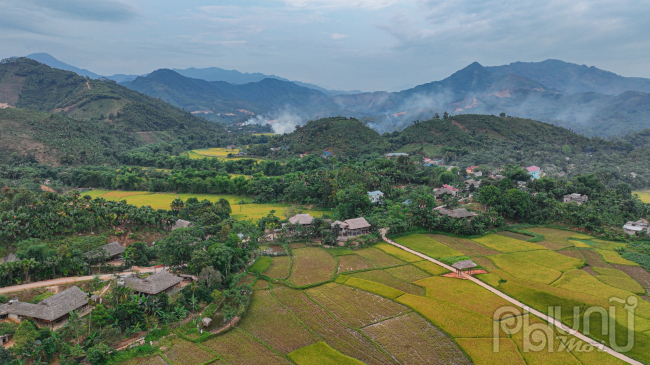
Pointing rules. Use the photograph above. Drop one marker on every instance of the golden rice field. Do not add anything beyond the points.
(379, 306)
(163, 201)
(219, 153)
(644, 195)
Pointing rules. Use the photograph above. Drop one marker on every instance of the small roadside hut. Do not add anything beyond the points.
(468, 265)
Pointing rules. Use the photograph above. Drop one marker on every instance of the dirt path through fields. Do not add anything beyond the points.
(519, 304)
(69, 280)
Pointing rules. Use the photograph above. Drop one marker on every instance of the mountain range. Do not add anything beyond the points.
(585, 99)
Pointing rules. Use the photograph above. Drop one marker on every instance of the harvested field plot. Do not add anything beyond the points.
(186, 353)
(413, 340)
(385, 278)
(379, 257)
(340, 251)
(408, 273)
(485, 263)
(398, 252)
(639, 274)
(579, 243)
(261, 284)
(354, 262)
(593, 258)
(321, 354)
(355, 307)
(239, 348)
(340, 337)
(431, 268)
(507, 244)
(580, 281)
(152, 360)
(293, 246)
(517, 236)
(269, 321)
(468, 247)
(554, 239)
(280, 268)
(576, 254)
(613, 257)
(311, 265)
(374, 287)
(463, 322)
(482, 353)
(427, 245)
(525, 270)
(463, 293)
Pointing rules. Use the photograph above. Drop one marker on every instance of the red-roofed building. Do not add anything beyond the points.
(470, 170)
(449, 187)
(534, 171)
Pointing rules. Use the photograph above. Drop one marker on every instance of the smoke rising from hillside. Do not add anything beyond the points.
(284, 122)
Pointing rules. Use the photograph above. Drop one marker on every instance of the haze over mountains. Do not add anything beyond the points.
(588, 100)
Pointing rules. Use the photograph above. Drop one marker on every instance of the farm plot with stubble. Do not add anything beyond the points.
(275, 325)
(353, 263)
(506, 244)
(427, 245)
(382, 277)
(311, 265)
(280, 267)
(355, 307)
(413, 340)
(151, 360)
(239, 348)
(463, 245)
(379, 257)
(342, 338)
(187, 353)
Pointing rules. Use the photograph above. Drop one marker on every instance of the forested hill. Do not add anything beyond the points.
(120, 118)
(339, 135)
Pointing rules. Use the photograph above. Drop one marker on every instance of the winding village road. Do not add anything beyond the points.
(69, 280)
(519, 304)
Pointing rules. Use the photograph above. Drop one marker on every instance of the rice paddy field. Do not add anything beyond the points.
(644, 195)
(381, 306)
(219, 153)
(163, 201)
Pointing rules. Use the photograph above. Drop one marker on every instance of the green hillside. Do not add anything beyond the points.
(60, 117)
(340, 135)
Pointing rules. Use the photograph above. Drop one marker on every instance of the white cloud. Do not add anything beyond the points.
(337, 36)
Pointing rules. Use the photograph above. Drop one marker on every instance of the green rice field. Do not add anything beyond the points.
(163, 201)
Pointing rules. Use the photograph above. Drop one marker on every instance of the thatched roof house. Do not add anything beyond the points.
(457, 213)
(48, 312)
(154, 284)
(302, 219)
(352, 227)
(575, 198)
(112, 249)
(464, 265)
(181, 223)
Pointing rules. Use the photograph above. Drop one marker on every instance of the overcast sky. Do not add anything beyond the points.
(339, 44)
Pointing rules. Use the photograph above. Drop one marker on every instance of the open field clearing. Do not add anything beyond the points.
(413, 340)
(463, 322)
(525, 270)
(408, 273)
(239, 348)
(557, 237)
(280, 267)
(311, 265)
(387, 279)
(463, 293)
(463, 245)
(644, 195)
(427, 245)
(355, 307)
(321, 354)
(337, 335)
(354, 262)
(152, 360)
(163, 201)
(186, 353)
(507, 244)
(482, 353)
(374, 287)
(612, 257)
(431, 268)
(273, 324)
(379, 257)
(572, 252)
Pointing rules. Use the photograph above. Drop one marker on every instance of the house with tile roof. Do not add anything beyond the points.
(50, 312)
(534, 171)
